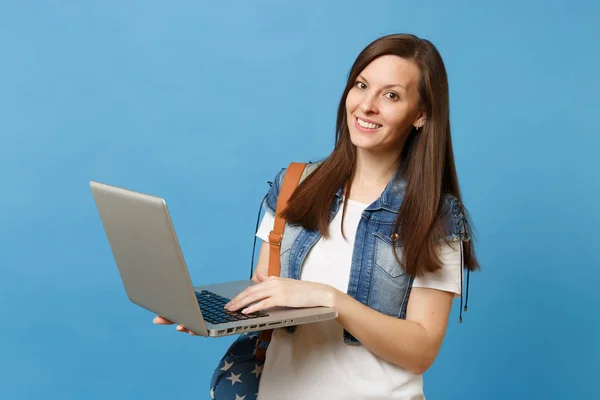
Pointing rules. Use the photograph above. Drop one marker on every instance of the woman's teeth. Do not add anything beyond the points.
(368, 124)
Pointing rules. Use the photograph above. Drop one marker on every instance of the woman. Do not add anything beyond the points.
(392, 283)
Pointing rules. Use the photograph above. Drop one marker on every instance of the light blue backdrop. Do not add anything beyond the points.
(203, 102)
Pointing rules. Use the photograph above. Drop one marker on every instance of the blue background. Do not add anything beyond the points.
(203, 102)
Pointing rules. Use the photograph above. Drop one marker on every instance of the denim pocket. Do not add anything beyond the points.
(389, 284)
(384, 255)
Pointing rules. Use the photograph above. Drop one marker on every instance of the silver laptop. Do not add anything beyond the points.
(151, 264)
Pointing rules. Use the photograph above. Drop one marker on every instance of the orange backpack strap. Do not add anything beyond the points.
(290, 183)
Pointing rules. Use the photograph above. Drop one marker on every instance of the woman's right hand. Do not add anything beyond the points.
(158, 320)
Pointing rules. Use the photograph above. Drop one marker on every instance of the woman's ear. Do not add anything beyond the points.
(420, 121)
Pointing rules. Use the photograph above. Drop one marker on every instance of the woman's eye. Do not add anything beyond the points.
(360, 85)
(392, 96)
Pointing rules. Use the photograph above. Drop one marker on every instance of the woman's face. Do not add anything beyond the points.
(383, 104)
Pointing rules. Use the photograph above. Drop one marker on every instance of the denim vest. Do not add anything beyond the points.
(376, 278)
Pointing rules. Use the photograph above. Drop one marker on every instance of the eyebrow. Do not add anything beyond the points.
(386, 86)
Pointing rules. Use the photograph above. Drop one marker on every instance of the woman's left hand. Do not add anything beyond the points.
(273, 291)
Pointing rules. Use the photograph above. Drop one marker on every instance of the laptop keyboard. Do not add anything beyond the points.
(212, 307)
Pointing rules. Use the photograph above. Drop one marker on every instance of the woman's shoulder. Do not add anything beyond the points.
(454, 217)
(273, 194)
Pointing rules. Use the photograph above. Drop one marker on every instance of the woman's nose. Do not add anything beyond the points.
(368, 105)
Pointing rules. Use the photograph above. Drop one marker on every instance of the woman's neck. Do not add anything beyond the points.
(373, 172)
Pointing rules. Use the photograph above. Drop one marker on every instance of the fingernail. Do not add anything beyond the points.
(244, 311)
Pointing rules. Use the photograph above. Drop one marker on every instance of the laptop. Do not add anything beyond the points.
(146, 250)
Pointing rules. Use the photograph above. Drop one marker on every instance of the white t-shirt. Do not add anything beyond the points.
(314, 362)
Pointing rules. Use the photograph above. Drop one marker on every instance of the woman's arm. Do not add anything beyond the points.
(262, 264)
(412, 343)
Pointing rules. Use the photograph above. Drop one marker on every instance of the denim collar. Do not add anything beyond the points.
(391, 197)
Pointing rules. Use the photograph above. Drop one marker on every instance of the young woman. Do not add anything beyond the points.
(377, 231)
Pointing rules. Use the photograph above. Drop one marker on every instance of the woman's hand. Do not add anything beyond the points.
(158, 320)
(274, 291)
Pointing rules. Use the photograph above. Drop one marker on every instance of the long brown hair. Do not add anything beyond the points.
(427, 162)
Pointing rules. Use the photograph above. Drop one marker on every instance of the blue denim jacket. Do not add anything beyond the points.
(376, 278)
